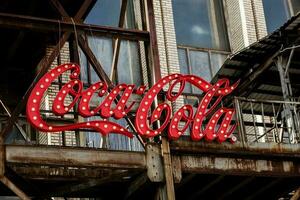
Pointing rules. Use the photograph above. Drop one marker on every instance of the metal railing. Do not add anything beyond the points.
(264, 121)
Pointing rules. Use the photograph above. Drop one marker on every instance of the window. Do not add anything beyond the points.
(200, 23)
(127, 70)
(276, 13)
(201, 37)
(203, 63)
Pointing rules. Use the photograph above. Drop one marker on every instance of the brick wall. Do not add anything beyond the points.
(167, 45)
(246, 22)
(56, 138)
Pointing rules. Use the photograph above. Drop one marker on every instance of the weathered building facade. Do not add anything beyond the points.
(253, 42)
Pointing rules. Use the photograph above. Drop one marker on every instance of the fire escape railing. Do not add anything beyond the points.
(265, 121)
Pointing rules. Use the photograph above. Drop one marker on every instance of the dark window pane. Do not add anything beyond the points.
(217, 61)
(184, 67)
(102, 49)
(276, 13)
(129, 70)
(200, 23)
(83, 66)
(200, 66)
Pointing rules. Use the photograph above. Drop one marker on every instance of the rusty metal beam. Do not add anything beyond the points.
(93, 60)
(22, 22)
(44, 65)
(117, 42)
(69, 189)
(239, 166)
(57, 173)
(258, 150)
(156, 73)
(102, 75)
(74, 157)
(59, 8)
(14, 188)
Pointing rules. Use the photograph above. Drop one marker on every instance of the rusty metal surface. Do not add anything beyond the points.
(239, 166)
(288, 151)
(77, 157)
(58, 173)
(13, 21)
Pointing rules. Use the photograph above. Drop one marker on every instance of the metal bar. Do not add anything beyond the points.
(72, 188)
(45, 25)
(254, 120)
(289, 62)
(239, 118)
(153, 41)
(117, 42)
(59, 8)
(275, 121)
(23, 133)
(203, 49)
(74, 157)
(14, 188)
(267, 101)
(263, 121)
(83, 9)
(44, 65)
(249, 78)
(101, 73)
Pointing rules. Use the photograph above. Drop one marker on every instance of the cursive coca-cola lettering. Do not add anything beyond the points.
(218, 124)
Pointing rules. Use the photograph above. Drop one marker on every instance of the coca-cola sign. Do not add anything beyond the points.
(219, 125)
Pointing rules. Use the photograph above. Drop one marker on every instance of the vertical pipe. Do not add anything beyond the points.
(263, 121)
(275, 121)
(254, 121)
(240, 122)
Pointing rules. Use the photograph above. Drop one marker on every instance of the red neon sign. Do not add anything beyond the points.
(219, 125)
